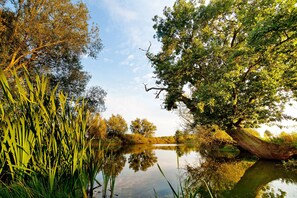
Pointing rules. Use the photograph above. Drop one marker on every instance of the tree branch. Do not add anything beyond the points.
(158, 89)
(15, 60)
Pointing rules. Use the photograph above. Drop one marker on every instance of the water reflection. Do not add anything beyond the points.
(142, 161)
(238, 178)
(254, 181)
(113, 166)
(132, 172)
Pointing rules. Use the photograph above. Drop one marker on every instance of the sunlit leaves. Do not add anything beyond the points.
(143, 127)
(116, 124)
(40, 133)
(238, 57)
(48, 38)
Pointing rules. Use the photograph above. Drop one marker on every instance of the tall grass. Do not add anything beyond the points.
(43, 137)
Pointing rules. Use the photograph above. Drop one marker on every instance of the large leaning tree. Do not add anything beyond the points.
(232, 63)
(48, 37)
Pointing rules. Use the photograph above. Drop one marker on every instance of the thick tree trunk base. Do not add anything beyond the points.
(260, 148)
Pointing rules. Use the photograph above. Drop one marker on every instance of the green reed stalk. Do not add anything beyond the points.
(42, 132)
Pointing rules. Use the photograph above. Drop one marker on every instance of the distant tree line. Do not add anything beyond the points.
(116, 125)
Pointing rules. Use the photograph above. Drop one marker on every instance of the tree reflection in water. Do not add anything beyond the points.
(237, 178)
(112, 167)
(142, 161)
(224, 176)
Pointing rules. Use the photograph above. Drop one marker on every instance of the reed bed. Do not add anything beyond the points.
(43, 151)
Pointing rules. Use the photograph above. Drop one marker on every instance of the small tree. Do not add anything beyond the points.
(143, 127)
(179, 136)
(116, 124)
(97, 127)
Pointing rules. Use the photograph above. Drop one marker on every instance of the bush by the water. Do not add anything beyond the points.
(284, 138)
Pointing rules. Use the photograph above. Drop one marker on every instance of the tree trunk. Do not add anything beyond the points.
(260, 148)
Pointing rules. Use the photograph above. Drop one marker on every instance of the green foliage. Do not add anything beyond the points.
(290, 164)
(179, 136)
(212, 136)
(237, 58)
(268, 134)
(43, 140)
(162, 140)
(94, 99)
(131, 139)
(143, 127)
(48, 38)
(116, 125)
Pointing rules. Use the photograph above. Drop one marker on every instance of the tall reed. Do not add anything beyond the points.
(42, 135)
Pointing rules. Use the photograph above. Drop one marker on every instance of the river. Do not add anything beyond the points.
(134, 172)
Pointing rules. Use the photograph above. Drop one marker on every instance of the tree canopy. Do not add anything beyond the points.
(143, 127)
(116, 124)
(49, 38)
(232, 62)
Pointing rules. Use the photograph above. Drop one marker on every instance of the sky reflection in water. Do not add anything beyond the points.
(140, 176)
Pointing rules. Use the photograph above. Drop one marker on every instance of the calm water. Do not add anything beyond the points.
(133, 172)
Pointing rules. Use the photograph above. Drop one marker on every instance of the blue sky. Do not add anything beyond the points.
(126, 26)
(122, 68)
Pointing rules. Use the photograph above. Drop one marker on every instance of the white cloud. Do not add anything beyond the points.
(148, 77)
(128, 27)
(117, 11)
(135, 69)
(129, 60)
(130, 57)
(107, 60)
(135, 19)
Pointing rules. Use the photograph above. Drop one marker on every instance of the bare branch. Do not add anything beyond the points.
(158, 90)
(148, 49)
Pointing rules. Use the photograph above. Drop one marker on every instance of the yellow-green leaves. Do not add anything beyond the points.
(116, 124)
(238, 57)
(40, 132)
(143, 127)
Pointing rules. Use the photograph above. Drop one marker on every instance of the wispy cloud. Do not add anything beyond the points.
(129, 60)
(128, 28)
(107, 60)
(136, 19)
(118, 11)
